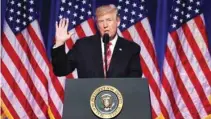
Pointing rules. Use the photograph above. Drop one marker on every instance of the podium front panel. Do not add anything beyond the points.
(135, 92)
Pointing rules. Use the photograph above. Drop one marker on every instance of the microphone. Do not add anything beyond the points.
(105, 41)
(105, 38)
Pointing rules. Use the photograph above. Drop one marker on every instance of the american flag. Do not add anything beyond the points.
(25, 68)
(187, 64)
(134, 26)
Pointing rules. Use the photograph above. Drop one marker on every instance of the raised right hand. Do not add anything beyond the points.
(62, 34)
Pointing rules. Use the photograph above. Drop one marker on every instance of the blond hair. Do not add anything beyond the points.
(105, 9)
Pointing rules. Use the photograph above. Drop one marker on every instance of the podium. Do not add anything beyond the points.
(135, 93)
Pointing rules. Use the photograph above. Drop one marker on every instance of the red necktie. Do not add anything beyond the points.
(108, 57)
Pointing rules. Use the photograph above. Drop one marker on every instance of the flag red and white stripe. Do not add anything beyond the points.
(186, 72)
(142, 35)
(24, 73)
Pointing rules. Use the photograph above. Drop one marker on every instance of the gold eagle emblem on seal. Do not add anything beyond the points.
(106, 102)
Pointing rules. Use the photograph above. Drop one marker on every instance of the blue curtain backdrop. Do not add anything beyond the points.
(158, 14)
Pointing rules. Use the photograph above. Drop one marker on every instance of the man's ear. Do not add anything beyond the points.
(118, 21)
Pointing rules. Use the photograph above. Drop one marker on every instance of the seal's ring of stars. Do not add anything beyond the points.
(106, 102)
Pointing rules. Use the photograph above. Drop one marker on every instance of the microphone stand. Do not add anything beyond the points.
(105, 59)
(105, 41)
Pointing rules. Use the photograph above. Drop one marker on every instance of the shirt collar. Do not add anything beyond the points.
(113, 42)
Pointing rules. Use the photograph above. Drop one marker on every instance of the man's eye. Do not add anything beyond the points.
(100, 21)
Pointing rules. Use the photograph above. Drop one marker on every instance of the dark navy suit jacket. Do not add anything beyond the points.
(86, 57)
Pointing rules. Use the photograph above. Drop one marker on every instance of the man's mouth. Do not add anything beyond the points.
(107, 31)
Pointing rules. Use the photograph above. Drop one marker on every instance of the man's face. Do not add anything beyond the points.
(108, 23)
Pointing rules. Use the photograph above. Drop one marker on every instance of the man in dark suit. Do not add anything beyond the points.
(87, 55)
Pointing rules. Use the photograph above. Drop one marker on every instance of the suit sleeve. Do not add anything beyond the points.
(135, 65)
(63, 63)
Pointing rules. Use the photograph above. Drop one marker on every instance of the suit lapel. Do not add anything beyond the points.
(116, 57)
(98, 55)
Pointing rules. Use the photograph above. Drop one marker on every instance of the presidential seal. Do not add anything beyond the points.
(106, 102)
